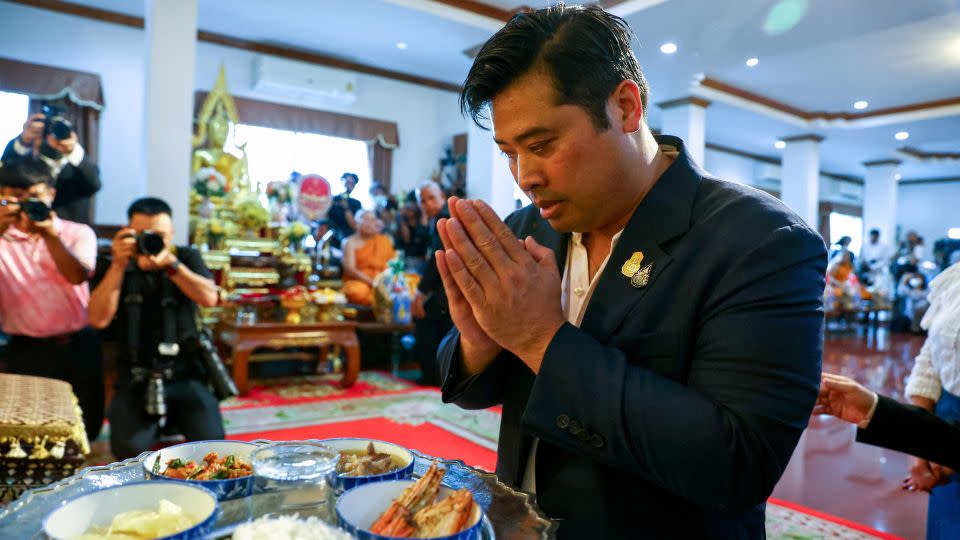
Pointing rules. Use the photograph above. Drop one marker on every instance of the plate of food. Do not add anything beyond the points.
(223, 467)
(420, 509)
(136, 511)
(368, 460)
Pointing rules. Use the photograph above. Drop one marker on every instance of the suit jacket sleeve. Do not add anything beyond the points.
(722, 440)
(78, 182)
(8, 151)
(914, 431)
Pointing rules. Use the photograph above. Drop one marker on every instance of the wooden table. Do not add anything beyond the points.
(242, 339)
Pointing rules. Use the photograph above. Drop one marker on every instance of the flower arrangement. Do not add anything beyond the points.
(281, 192)
(295, 232)
(209, 182)
(252, 215)
(222, 228)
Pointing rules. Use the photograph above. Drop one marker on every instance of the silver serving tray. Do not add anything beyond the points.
(512, 514)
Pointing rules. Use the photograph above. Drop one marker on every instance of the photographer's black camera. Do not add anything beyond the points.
(55, 124)
(36, 210)
(150, 243)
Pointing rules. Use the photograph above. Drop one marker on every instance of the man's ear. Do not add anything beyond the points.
(626, 106)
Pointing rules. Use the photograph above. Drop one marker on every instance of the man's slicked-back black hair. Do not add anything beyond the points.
(585, 50)
(149, 206)
(24, 173)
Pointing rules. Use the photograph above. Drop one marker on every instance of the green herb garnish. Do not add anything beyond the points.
(176, 463)
(229, 462)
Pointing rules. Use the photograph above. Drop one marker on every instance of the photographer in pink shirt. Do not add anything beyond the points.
(45, 263)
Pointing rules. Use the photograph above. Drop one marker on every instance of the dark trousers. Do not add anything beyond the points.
(191, 410)
(75, 358)
(429, 332)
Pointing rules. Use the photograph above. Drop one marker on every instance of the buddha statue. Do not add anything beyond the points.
(215, 122)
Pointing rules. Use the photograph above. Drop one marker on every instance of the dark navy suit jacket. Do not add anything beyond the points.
(674, 408)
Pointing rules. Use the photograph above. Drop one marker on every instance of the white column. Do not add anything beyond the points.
(800, 177)
(686, 118)
(171, 53)
(880, 198)
(488, 172)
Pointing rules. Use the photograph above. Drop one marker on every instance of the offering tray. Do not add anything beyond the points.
(510, 514)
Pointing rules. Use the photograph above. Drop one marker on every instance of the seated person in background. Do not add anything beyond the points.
(843, 290)
(365, 255)
(149, 303)
(44, 268)
(842, 250)
(913, 292)
(885, 422)
(76, 177)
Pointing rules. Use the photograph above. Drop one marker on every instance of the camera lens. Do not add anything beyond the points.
(61, 128)
(36, 210)
(150, 243)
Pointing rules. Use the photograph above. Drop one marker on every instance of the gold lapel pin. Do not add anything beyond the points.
(632, 264)
(642, 277)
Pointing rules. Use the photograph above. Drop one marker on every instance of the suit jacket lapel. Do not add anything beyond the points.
(663, 215)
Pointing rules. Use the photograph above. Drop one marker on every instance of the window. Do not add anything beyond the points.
(846, 225)
(274, 153)
(13, 113)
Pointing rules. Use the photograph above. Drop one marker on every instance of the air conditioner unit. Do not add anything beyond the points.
(301, 81)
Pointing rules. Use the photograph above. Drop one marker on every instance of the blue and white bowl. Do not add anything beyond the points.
(360, 445)
(225, 490)
(358, 508)
(97, 509)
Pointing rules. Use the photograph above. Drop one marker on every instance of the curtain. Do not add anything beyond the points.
(50, 83)
(381, 136)
(381, 162)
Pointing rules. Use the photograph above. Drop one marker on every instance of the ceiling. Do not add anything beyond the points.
(816, 55)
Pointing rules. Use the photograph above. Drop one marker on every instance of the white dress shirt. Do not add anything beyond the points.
(937, 367)
(875, 255)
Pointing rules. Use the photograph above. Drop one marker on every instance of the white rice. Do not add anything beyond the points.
(289, 528)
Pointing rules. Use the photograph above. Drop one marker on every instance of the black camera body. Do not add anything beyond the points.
(54, 123)
(150, 243)
(36, 210)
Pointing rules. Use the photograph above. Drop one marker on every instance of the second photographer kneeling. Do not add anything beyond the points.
(148, 297)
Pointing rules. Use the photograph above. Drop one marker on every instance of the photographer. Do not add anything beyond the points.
(344, 208)
(148, 296)
(45, 262)
(50, 137)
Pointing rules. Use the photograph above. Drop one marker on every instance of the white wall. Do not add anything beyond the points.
(929, 209)
(426, 117)
(755, 173)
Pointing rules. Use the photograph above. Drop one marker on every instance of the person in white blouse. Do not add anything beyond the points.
(934, 384)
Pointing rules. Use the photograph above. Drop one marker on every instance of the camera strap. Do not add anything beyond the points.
(168, 309)
(133, 302)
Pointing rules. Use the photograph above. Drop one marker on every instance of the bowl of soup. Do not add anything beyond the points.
(363, 461)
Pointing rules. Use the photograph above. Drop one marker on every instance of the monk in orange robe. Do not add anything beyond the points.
(365, 256)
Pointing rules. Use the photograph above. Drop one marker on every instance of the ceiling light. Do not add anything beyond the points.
(401, 45)
(901, 136)
(780, 145)
(954, 233)
(860, 105)
(897, 176)
(752, 62)
(668, 48)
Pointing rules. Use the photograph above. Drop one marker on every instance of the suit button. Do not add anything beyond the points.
(596, 441)
(563, 421)
(575, 428)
